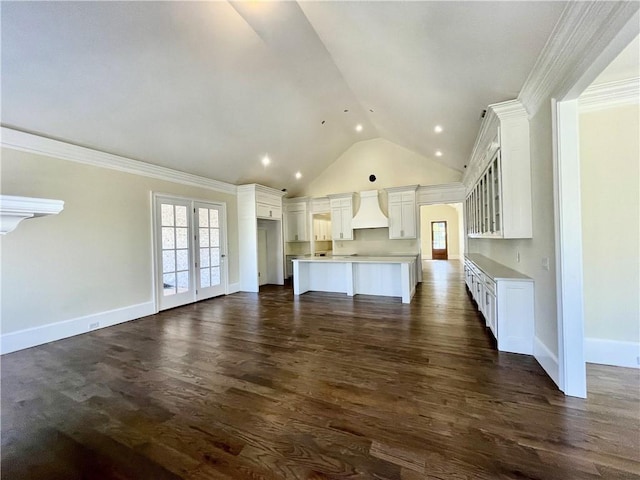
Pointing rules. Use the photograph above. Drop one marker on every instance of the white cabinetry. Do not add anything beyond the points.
(264, 204)
(341, 215)
(506, 300)
(498, 180)
(402, 212)
(321, 229)
(296, 226)
(268, 205)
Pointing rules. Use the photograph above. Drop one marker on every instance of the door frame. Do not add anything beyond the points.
(571, 373)
(156, 247)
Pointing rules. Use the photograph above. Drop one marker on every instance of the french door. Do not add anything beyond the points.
(439, 249)
(190, 245)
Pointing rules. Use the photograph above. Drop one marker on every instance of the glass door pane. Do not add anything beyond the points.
(211, 256)
(173, 238)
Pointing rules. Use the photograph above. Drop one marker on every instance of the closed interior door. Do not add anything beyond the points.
(210, 271)
(439, 241)
(190, 243)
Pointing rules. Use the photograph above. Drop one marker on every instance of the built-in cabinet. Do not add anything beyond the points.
(322, 229)
(498, 181)
(403, 212)
(341, 215)
(296, 221)
(506, 300)
(257, 203)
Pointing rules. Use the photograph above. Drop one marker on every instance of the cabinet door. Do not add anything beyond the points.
(336, 223)
(347, 231)
(408, 220)
(395, 220)
(490, 312)
(292, 226)
(301, 224)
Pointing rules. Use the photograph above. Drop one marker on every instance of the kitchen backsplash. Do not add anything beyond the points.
(375, 241)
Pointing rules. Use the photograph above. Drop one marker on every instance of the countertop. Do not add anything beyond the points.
(495, 270)
(358, 259)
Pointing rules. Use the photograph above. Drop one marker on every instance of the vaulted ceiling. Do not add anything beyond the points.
(210, 88)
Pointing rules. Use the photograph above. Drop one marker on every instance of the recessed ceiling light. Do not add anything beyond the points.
(438, 153)
(266, 160)
(358, 128)
(437, 129)
(298, 175)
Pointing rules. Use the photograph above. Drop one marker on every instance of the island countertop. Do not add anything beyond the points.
(358, 259)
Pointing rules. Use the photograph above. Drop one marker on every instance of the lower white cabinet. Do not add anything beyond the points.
(506, 300)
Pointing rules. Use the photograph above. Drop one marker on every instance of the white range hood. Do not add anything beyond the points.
(369, 215)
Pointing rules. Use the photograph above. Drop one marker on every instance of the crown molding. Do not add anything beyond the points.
(610, 94)
(28, 142)
(13, 210)
(256, 187)
(581, 35)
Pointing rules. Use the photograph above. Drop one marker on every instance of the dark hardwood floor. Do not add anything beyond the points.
(323, 386)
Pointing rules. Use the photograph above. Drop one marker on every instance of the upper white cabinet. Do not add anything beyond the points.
(341, 215)
(321, 229)
(268, 204)
(296, 224)
(403, 218)
(498, 180)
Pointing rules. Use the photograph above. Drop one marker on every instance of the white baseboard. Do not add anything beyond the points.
(612, 352)
(30, 337)
(233, 288)
(547, 360)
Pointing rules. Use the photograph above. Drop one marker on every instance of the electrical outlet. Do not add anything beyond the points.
(518, 257)
(545, 263)
(94, 325)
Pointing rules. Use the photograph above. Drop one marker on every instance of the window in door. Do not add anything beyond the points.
(439, 241)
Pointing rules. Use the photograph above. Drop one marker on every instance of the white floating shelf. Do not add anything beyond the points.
(15, 209)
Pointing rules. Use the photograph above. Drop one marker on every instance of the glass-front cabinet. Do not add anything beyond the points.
(484, 203)
(498, 180)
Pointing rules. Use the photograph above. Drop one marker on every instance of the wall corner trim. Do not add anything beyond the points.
(547, 360)
(31, 337)
(612, 352)
(610, 95)
(28, 142)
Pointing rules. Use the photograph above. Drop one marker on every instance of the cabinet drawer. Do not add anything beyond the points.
(268, 211)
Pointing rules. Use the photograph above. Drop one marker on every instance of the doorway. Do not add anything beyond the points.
(439, 249)
(442, 232)
(263, 271)
(190, 246)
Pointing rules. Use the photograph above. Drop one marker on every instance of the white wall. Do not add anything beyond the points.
(96, 255)
(610, 191)
(392, 165)
(437, 213)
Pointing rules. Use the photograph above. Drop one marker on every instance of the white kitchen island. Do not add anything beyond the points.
(353, 275)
